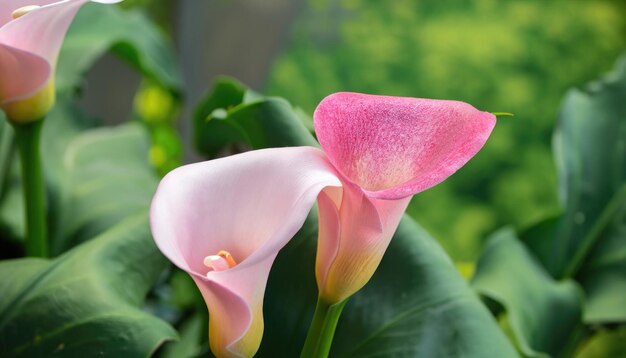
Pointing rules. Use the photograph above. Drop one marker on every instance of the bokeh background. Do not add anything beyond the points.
(518, 56)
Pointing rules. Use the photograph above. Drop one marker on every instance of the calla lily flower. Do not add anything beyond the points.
(31, 34)
(224, 221)
(386, 149)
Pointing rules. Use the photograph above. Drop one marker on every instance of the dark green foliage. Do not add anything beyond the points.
(536, 280)
(234, 115)
(86, 301)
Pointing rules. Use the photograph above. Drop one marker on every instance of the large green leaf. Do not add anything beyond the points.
(129, 34)
(95, 178)
(544, 314)
(231, 114)
(107, 177)
(85, 302)
(588, 241)
(415, 305)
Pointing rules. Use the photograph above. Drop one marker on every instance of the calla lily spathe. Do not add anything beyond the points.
(31, 34)
(224, 221)
(386, 149)
(248, 206)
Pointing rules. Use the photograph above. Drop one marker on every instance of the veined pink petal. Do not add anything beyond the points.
(38, 33)
(249, 205)
(394, 147)
(354, 234)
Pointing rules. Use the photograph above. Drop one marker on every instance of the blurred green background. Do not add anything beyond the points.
(516, 56)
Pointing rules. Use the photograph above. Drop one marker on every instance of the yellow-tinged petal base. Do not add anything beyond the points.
(33, 108)
(246, 347)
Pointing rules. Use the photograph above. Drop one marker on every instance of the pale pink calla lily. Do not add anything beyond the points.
(386, 149)
(249, 206)
(31, 34)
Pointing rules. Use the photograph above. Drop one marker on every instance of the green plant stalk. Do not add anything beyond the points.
(7, 150)
(28, 137)
(322, 329)
(596, 230)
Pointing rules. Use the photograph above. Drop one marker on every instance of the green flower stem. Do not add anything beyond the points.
(27, 137)
(322, 330)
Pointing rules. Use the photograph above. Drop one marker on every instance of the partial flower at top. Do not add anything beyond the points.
(31, 35)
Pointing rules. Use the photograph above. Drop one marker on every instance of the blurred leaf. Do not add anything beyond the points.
(590, 151)
(588, 240)
(605, 344)
(87, 301)
(543, 314)
(129, 34)
(603, 276)
(191, 334)
(107, 177)
(415, 305)
(232, 115)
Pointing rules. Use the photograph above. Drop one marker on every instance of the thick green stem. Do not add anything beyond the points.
(27, 137)
(322, 329)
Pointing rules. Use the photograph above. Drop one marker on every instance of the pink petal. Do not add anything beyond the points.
(8, 6)
(250, 205)
(394, 147)
(39, 33)
(354, 234)
(14, 62)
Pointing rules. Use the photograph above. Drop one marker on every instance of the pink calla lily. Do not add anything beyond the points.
(386, 149)
(224, 221)
(247, 207)
(31, 34)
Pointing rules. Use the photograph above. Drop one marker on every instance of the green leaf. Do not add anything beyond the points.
(587, 241)
(129, 34)
(107, 177)
(415, 305)
(233, 115)
(87, 301)
(603, 276)
(543, 314)
(605, 344)
(590, 151)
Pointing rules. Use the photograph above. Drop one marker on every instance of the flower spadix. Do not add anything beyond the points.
(386, 149)
(31, 34)
(224, 221)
